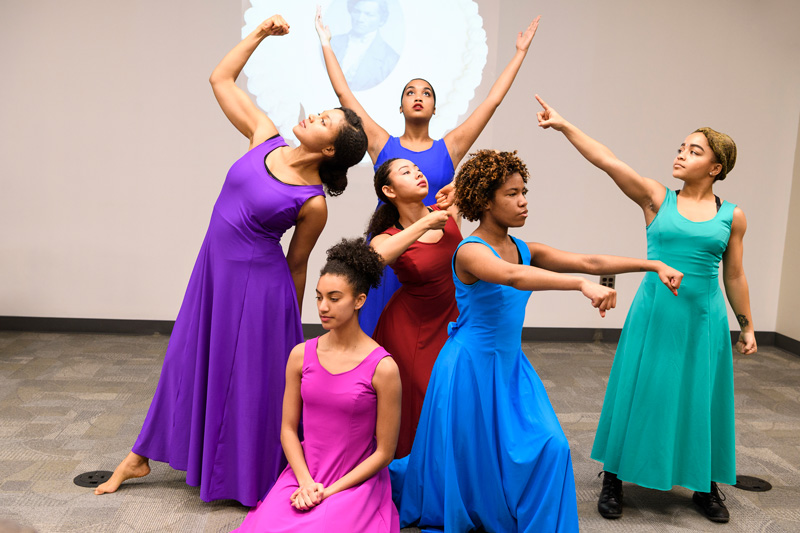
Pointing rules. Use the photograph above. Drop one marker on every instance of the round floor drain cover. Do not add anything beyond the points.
(92, 479)
(751, 483)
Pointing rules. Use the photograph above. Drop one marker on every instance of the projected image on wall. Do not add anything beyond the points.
(380, 45)
(365, 55)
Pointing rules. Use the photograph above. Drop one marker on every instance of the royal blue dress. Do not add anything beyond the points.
(489, 451)
(438, 168)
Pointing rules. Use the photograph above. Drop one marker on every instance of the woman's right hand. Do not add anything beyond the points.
(549, 117)
(603, 298)
(436, 219)
(323, 31)
(670, 277)
(307, 495)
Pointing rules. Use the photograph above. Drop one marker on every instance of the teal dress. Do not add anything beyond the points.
(668, 413)
(489, 453)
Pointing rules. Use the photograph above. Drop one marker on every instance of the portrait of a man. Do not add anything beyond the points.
(366, 58)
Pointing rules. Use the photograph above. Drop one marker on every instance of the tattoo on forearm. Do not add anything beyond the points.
(742, 320)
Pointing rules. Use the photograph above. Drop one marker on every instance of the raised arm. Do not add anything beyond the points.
(549, 258)
(475, 261)
(237, 106)
(736, 283)
(386, 383)
(647, 193)
(463, 136)
(376, 136)
(390, 247)
(310, 223)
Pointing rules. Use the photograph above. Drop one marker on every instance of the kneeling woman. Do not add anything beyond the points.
(489, 452)
(348, 391)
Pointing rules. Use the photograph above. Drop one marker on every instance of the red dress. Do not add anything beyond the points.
(413, 326)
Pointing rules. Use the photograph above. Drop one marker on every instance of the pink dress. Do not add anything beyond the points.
(339, 417)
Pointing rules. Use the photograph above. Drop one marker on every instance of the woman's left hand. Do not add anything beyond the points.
(307, 496)
(746, 344)
(524, 38)
(446, 196)
(670, 277)
(323, 31)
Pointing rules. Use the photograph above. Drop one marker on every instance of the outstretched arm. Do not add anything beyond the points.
(476, 262)
(310, 223)
(376, 136)
(736, 283)
(390, 247)
(386, 383)
(236, 105)
(461, 138)
(647, 193)
(549, 258)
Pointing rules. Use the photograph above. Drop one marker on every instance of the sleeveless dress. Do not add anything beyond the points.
(339, 418)
(438, 168)
(668, 413)
(216, 412)
(413, 326)
(489, 451)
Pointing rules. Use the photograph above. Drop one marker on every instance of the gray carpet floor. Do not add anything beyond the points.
(70, 403)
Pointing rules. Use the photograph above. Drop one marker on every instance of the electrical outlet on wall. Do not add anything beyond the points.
(608, 281)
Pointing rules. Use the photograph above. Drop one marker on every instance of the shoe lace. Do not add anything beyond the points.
(610, 483)
(716, 493)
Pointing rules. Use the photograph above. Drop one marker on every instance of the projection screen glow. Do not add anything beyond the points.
(445, 44)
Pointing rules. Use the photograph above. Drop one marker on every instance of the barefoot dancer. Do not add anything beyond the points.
(216, 412)
(668, 414)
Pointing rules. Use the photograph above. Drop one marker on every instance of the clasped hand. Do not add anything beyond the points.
(307, 496)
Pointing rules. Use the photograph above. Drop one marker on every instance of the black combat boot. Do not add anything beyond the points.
(609, 505)
(711, 504)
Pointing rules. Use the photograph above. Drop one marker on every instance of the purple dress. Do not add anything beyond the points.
(339, 418)
(217, 410)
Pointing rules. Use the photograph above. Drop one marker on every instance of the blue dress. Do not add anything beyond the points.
(437, 166)
(489, 451)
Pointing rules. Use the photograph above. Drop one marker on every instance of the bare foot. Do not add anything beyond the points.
(134, 465)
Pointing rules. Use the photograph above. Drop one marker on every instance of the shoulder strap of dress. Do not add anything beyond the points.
(473, 238)
(726, 211)
(440, 145)
(310, 353)
(369, 365)
(468, 240)
(523, 250)
(273, 142)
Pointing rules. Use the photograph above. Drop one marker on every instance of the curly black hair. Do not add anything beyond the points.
(387, 214)
(356, 261)
(349, 148)
(481, 175)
